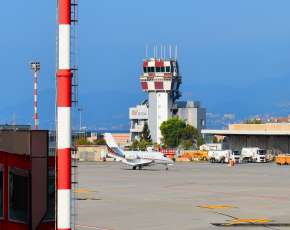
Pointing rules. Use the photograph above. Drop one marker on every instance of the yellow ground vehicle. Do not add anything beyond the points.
(282, 159)
(194, 155)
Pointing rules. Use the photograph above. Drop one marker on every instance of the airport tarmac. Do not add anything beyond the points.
(189, 196)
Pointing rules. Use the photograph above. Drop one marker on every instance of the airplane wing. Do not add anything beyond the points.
(138, 162)
(113, 155)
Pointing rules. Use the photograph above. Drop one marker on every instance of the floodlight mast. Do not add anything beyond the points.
(35, 67)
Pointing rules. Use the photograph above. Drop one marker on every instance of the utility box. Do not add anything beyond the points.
(27, 188)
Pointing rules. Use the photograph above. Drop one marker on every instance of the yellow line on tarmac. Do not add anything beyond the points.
(216, 206)
(250, 221)
(83, 190)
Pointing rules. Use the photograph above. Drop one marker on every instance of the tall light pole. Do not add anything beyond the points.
(35, 67)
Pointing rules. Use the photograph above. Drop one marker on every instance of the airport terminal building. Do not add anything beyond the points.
(274, 137)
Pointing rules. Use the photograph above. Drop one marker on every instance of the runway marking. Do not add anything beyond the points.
(86, 194)
(264, 225)
(92, 227)
(83, 190)
(216, 206)
(247, 221)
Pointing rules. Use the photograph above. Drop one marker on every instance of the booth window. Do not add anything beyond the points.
(1, 192)
(18, 195)
(50, 215)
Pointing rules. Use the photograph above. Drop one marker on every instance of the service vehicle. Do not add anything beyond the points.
(255, 154)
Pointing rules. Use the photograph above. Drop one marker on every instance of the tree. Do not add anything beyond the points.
(254, 121)
(176, 133)
(82, 141)
(100, 141)
(134, 145)
(199, 141)
(140, 145)
(186, 144)
(145, 135)
(188, 133)
(143, 144)
(214, 139)
(171, 131)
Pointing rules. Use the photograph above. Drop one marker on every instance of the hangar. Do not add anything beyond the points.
(271, 136)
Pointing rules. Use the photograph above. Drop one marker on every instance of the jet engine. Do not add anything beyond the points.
(131, 156)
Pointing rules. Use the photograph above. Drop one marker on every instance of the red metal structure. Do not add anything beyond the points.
(26, 181)
(64, 93)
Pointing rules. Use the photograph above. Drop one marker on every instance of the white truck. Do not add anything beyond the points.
(254, 154)
(222, 156)
(236, 155)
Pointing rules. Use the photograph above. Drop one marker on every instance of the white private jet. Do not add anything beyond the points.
(136, 159)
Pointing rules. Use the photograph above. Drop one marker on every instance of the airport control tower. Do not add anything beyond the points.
(161, 79)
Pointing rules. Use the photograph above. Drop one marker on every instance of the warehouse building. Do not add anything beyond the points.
(274, 137)
(92, 152)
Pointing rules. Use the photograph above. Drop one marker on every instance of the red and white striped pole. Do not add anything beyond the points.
(64, 84)
(35, 66)
(36, 121)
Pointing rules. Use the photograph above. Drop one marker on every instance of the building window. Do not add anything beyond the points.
(51, 195)
(145, 69)
(162, 69)
(158, 69)
(168, 69)
(18, 195)
(1, 192)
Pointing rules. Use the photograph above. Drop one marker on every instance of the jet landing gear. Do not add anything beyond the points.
(139, 167)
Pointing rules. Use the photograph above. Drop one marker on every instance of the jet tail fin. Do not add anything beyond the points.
(113, 147)
(110, 140)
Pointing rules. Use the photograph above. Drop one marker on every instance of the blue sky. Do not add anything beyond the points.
(234, 56)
